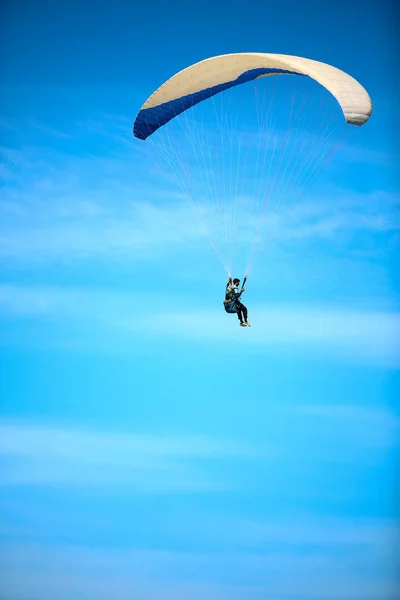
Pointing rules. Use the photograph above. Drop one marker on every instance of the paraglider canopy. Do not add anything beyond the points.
(215, 75)
(232, 169)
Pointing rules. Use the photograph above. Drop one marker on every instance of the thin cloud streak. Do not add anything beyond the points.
(346, 333)
(67, 570)
(44, 455)
(55, 206)
(49, 130)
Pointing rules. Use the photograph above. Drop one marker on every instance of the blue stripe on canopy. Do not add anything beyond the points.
(150, 119)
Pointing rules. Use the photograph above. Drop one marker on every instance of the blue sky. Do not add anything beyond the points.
(150, 447)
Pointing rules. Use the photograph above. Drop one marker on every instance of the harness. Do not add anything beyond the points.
(231, 307)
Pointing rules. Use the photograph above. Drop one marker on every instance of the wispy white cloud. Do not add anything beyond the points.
(49, 130)
(201, 526)
(366, 155)
(364, 427)
(87, 231)
(115, 127)
(351, 413)
(333, 330)
(59, 205)
(340, 212)
(56, 207)
(356, 437)
(65, 571)
(311, 531)
(43, 455)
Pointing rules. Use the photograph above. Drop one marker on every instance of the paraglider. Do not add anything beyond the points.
(232, 302)
(231, 169)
